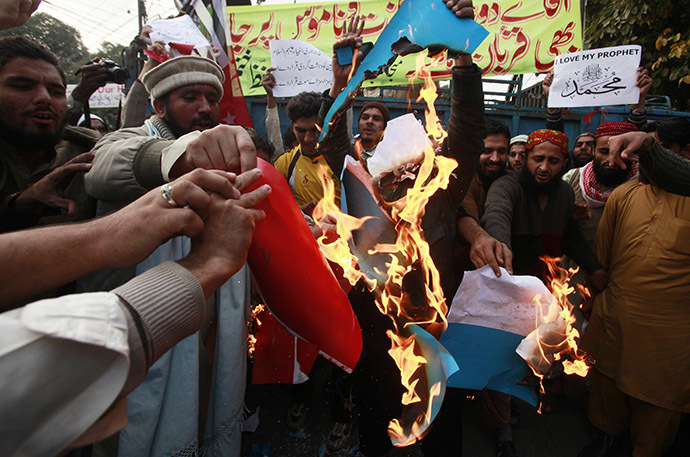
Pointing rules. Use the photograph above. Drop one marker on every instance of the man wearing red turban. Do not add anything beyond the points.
(531, 211)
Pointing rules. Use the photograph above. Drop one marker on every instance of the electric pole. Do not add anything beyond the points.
(142, 14)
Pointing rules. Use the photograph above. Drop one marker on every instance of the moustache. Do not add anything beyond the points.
(40, 109)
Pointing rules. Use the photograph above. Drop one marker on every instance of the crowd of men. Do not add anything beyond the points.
(120, 324)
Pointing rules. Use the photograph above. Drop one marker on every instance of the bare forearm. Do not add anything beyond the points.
(42, 259)
(211, 274)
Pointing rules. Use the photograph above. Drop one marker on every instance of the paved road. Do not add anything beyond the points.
(561, 433)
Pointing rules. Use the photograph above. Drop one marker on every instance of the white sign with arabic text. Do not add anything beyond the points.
(596, 77)
(299, 67)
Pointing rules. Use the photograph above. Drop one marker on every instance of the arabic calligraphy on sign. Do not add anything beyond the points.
(596, 77)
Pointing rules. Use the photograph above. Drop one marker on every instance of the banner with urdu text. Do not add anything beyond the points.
(525, 36)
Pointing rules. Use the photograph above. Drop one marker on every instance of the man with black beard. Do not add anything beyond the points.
(477, 248)
(531, 211)
(594, 182)
(183, 135)
(529, 214)
(41, 159)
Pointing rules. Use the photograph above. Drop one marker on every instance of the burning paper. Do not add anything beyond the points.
(488, 319)
(404, 142)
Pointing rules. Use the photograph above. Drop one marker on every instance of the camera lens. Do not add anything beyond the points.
(118, 75)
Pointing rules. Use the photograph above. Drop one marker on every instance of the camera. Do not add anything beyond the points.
(114, 72)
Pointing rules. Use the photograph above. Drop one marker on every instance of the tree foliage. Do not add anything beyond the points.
(661, 27)
(62, 39)
(110, 51)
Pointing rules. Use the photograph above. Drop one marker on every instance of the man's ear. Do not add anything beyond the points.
(159, 108)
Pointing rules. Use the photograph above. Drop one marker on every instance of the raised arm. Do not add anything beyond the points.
(272, 117)
(336, 145)
(664, 169)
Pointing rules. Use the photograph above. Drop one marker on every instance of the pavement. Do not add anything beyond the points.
(562, 433)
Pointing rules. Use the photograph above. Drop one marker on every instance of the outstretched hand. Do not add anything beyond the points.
(221, 249)
(224, 147)
(487, 250)
(151, 220)
(625, 147)
(48, 192)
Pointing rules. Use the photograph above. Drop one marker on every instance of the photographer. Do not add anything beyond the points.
(93, 76)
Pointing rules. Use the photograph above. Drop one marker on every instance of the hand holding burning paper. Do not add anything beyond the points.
(496, 322)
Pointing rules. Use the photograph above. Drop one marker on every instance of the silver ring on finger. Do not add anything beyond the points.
(166, 193)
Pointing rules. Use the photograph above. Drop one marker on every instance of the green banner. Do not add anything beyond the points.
(525, 36)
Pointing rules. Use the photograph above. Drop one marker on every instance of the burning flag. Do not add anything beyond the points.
(308, 301)
(497, 324)
(380, 242)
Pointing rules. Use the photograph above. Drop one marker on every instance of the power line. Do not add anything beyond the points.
(100, 31)
(82, 19)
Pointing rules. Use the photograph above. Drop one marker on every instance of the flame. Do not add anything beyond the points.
(556, 335)
(253, 325)
(579, 362)
(337, 250)
(409, 255)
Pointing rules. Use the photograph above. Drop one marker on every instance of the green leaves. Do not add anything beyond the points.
(661, 27)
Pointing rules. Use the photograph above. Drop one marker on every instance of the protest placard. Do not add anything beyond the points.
(108, 96)
(524, 36)
(299, 67)
(596, 77)
(178, 30)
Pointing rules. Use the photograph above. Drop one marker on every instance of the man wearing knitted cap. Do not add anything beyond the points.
(532, 211)
(184, 134)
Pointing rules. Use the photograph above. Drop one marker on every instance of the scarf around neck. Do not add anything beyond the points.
(593, 192)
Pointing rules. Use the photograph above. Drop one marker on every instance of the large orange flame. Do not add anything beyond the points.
(409, 254)
(557, 336)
